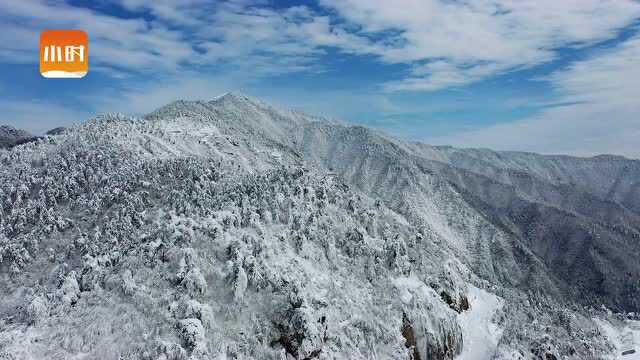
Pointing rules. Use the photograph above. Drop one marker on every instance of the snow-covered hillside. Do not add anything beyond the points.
(230, 229)
(10, 136)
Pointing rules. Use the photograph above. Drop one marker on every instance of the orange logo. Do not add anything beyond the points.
(64, 53)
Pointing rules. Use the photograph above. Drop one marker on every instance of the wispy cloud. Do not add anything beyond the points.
(115, 42)
(453, 43)
(445, 43)
(181, 35)
(601, 115)
(442, 74)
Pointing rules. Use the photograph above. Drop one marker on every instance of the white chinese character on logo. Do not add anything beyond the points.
(70, 53)
(54, 53)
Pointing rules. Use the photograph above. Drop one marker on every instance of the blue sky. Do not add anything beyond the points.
(532, 75)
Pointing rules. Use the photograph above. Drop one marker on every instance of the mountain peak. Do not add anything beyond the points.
(229, 100)
(230, 95)
(236, 98)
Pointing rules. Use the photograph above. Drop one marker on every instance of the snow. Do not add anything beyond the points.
(231, 229)
(191, 331)
(625, 336)
(479, 332)
(407, 286)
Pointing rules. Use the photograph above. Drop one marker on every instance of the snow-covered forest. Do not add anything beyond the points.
(230, 229)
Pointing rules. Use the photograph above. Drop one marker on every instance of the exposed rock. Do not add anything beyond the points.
(428, 325)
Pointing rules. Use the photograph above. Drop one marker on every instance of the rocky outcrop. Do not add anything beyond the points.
(429, 326)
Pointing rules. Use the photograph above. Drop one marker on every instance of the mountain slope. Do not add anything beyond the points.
(578, 241)
(124, 238)
(10, 137)
(233, 229)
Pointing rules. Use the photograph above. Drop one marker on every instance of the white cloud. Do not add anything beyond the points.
(601, 115)
(183, 13)
(183, 34)
(446, 43)
(470, 40)
(441, 74)
(114, 42)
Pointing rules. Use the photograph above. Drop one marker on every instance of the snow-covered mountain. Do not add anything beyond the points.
(10, 136)
(230, 229)
(57, 131)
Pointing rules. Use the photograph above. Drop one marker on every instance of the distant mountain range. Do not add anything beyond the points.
(10, 136)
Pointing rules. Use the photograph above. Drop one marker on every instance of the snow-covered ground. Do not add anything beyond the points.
(232, 229)
(479, 333)
(625, 337)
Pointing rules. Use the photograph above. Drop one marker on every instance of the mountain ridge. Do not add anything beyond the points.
(10, 137)
(232, 229)
(539, 183)
(546, 183)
